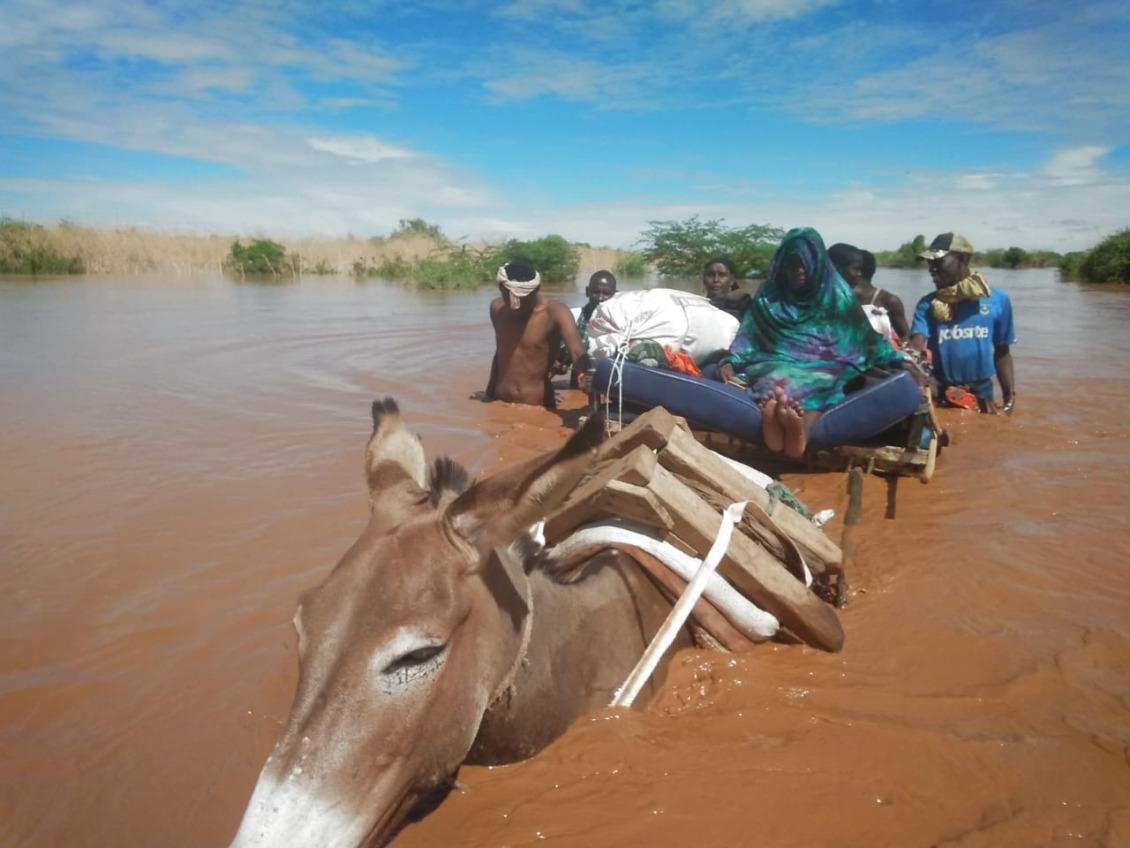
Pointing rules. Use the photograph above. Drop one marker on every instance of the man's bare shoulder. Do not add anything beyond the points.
(558, 309)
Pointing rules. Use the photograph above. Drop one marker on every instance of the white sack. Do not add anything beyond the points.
(683, 320)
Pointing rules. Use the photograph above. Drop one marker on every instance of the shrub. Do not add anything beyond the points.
(632, 264)
(24, 249)
(457, 269)
(1072, 263)
(905, 257)
(553, 257)
(681, 248)
(389, 268)
(262, 256)
(1109, 260)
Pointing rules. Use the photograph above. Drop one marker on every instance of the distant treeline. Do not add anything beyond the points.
(420, 253)
(1106, 262)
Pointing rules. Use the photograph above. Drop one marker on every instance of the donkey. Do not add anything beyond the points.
(438, 640)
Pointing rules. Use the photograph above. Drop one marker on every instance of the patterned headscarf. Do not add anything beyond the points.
(811, 343)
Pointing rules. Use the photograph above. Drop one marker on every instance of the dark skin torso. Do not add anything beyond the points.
(526, 342)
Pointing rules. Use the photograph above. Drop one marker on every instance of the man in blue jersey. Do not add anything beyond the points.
(967, 326)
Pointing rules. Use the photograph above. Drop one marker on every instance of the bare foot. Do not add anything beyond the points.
(771, 432)
(794, 429)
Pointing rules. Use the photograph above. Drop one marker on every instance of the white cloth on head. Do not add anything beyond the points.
(517, 289)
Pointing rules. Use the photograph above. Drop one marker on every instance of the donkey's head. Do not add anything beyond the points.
(406, 643)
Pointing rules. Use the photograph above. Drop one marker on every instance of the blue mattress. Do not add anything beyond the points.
(710, 405)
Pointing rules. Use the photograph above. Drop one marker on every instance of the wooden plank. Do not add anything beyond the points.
(684, 456)
(653, 429)
(638, 503)
(747, 565)
(582, 504)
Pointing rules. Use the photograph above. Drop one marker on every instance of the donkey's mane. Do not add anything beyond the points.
(446, 475)
(537, 558)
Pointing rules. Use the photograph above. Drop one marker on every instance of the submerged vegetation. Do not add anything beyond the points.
(450, 265)
(262, 257)
(28, 249)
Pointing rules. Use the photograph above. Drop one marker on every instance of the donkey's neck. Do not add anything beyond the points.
(585, 638)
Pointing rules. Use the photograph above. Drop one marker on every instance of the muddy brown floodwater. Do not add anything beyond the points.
(182, 458)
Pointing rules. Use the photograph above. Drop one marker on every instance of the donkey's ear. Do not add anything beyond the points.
(495, 511)
(395, 466)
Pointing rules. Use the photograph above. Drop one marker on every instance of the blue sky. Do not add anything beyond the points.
(871, 120)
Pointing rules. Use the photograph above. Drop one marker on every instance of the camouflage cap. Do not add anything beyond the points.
(946, 243)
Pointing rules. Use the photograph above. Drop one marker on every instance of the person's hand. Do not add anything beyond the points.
(1009, 404)
(986, 406)
(725, 372)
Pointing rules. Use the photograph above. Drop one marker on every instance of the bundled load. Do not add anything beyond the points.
(659, 495)
(682, 321)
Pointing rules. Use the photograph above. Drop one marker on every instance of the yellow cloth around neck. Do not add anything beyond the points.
(971, 288)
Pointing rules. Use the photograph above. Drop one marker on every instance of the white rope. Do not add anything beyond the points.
(618, 360)
(748, 618)
(682, 609)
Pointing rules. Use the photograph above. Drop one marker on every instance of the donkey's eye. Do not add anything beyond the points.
(413, 659)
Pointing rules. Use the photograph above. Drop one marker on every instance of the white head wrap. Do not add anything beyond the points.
(517, 289)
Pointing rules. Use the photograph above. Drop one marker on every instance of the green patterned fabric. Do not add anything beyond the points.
(810, 343)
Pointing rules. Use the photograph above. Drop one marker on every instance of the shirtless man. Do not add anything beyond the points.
(858, 267)
(528, 328)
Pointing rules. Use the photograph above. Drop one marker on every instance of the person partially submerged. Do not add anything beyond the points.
(883, 309)
(803, 338)
(528, 328)
(967, 326)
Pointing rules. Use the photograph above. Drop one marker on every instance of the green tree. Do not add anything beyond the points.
(681, 248)
(1109, 260)
(556, 259)
(1014, 257)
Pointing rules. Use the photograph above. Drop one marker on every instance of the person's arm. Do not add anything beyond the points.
(897, 314)
(1002, 358)
(493, 376)
(492, 381)
(1004, 334)
(567, 326)
(920, 327)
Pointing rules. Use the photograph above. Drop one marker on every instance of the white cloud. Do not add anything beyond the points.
(1066, 75)
(763, 10)
(1076, 165)
(360, 149)
(538, 73)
